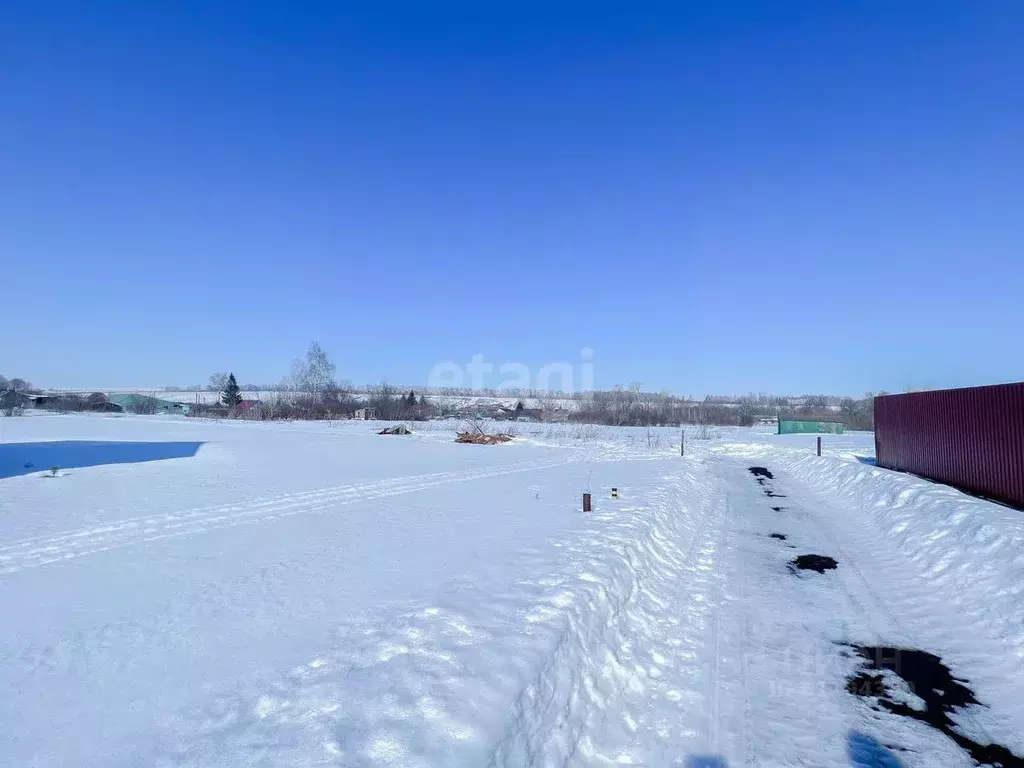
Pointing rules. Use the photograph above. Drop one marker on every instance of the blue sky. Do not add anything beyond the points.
(714, 197)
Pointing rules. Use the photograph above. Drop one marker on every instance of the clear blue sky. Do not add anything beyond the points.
(714, 196)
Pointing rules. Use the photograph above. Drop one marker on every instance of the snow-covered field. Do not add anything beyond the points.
(182, 592)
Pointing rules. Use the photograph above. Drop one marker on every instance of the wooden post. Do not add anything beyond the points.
(682, 441)
(819, 446)
(586, 502)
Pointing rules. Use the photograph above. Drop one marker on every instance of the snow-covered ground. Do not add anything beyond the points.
(182, 592)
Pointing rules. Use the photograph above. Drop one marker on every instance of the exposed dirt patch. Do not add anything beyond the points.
(763, 475)
(779, 536)
(819, 563)
(777, 509)
(401, 429)
(934, 693)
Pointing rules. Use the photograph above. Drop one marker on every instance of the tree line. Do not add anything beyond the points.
(15, 385)
(630, 406)
(312, 392)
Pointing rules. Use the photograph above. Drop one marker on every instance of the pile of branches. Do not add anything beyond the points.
(473, 432)
(479, 438)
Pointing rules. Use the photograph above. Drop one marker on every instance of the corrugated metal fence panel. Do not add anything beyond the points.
(971, 438)
(797, 426)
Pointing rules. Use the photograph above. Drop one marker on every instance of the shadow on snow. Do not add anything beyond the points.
(868, 752)
(864, 752)
(26, 458)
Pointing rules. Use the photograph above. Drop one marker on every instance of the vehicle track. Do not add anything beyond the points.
(715, 683)
(36, 551)
(781, 693)
(732, 641)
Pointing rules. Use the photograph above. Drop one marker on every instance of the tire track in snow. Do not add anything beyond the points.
(731, 644)
(878, 620)
(37, 551)
(783, 697)
(715, 684)
(745, 632)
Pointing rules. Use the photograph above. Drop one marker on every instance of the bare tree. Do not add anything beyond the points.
(702, 432)
(69, 402)
(314, 374)
(653, 437)
(384, 399)
(339, 401)
(746, 412)
(10, 403)
(19, 385)
(218, 381)
(858, 414)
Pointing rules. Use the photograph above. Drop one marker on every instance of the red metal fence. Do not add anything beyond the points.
(970, 438)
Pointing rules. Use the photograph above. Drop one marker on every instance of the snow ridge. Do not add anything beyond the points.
(623, 633)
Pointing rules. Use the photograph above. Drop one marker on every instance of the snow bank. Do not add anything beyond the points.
(972, 546)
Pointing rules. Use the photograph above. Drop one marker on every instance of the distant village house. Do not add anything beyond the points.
(521, 413)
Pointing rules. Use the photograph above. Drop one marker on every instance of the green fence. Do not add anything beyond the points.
(794, 426)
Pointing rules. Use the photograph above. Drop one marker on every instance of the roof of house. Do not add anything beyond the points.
(135, 398)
